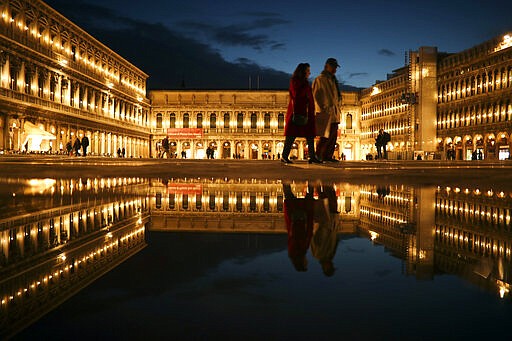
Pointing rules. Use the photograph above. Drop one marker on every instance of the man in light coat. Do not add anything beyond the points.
(327, 110)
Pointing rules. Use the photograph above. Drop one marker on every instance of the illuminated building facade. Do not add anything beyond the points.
(446, 106)
(230, 205)
(401, 218)
(472, 235)
(405, 106)
(474, 118)
(246, 124)
(57, 82)
(81, 230)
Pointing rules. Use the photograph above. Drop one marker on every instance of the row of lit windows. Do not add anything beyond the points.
(473, 116)
(475, 85)
(226, 123)
(227, 202)
(475, 243)
(59, 89)
(65, 44)
(25, 241)
(67, 267)
(200, 122)
(473, 212)
(390, 104)
(395, 128)
(398, 80)
(391, 197)
(382, 216)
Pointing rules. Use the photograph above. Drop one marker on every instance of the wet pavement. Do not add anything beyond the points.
(234, 249)
(413, 172)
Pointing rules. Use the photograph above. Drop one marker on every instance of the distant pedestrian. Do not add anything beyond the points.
(381, 142)
(69, 148)
(77, 145)
(123, 152)
(165, 146)
(85, 144)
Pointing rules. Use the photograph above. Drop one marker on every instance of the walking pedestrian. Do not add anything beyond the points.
(301, 104)
(327, 97)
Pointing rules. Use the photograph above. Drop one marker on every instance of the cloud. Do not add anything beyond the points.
(357, 74)
(248, 33)
(170, 58)
(386, 52)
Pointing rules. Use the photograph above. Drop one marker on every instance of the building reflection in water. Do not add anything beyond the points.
(433, 230)
(57, 236)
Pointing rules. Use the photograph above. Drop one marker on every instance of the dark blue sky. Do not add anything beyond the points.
(220, 44)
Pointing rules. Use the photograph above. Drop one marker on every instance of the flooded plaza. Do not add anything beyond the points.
(127, 257)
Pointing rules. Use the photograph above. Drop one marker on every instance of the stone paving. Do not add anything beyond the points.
(425, 172)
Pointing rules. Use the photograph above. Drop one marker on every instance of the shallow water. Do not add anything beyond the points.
(133, 258)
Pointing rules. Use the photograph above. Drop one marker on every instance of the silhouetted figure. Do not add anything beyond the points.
(325, 239)
(298, 216)
(85, 144)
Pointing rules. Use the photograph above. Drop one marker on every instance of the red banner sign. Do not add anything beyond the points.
(184, 188)
(185, 133)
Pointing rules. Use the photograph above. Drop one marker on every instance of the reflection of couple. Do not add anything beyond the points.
(311, 222)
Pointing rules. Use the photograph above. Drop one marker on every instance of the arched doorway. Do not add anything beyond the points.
(172, 149)
(347, 153)
(267, 151)
(479, 148)
(213, 148)
(185, 150)
(336, 153)
(239, 150)
(226, 151)
(468, 148)
(254, 151)
(458, 148)
(294, 152)
(200, 153)
(491, 147)
(503, 147)
(279, 149)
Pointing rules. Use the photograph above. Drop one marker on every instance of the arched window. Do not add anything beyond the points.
(186, 120)
(266, 121)
(240, 121)
(226, 121)
(172, 120)
(348, 121)
(158, 121)
(199, 120)
(213, 121)
(254, 121)
(280, 121)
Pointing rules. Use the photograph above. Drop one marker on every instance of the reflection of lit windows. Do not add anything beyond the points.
(252, 202)
(185, 201)
(199, 201)
(212, 202)
(158, 203)
(225, 201)
(280, 201)
(239, 202)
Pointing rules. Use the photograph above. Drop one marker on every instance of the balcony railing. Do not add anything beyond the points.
(70, 111)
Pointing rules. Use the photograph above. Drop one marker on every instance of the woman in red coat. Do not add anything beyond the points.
(301, 103)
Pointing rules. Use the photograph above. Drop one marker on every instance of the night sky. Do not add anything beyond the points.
(206, 44)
